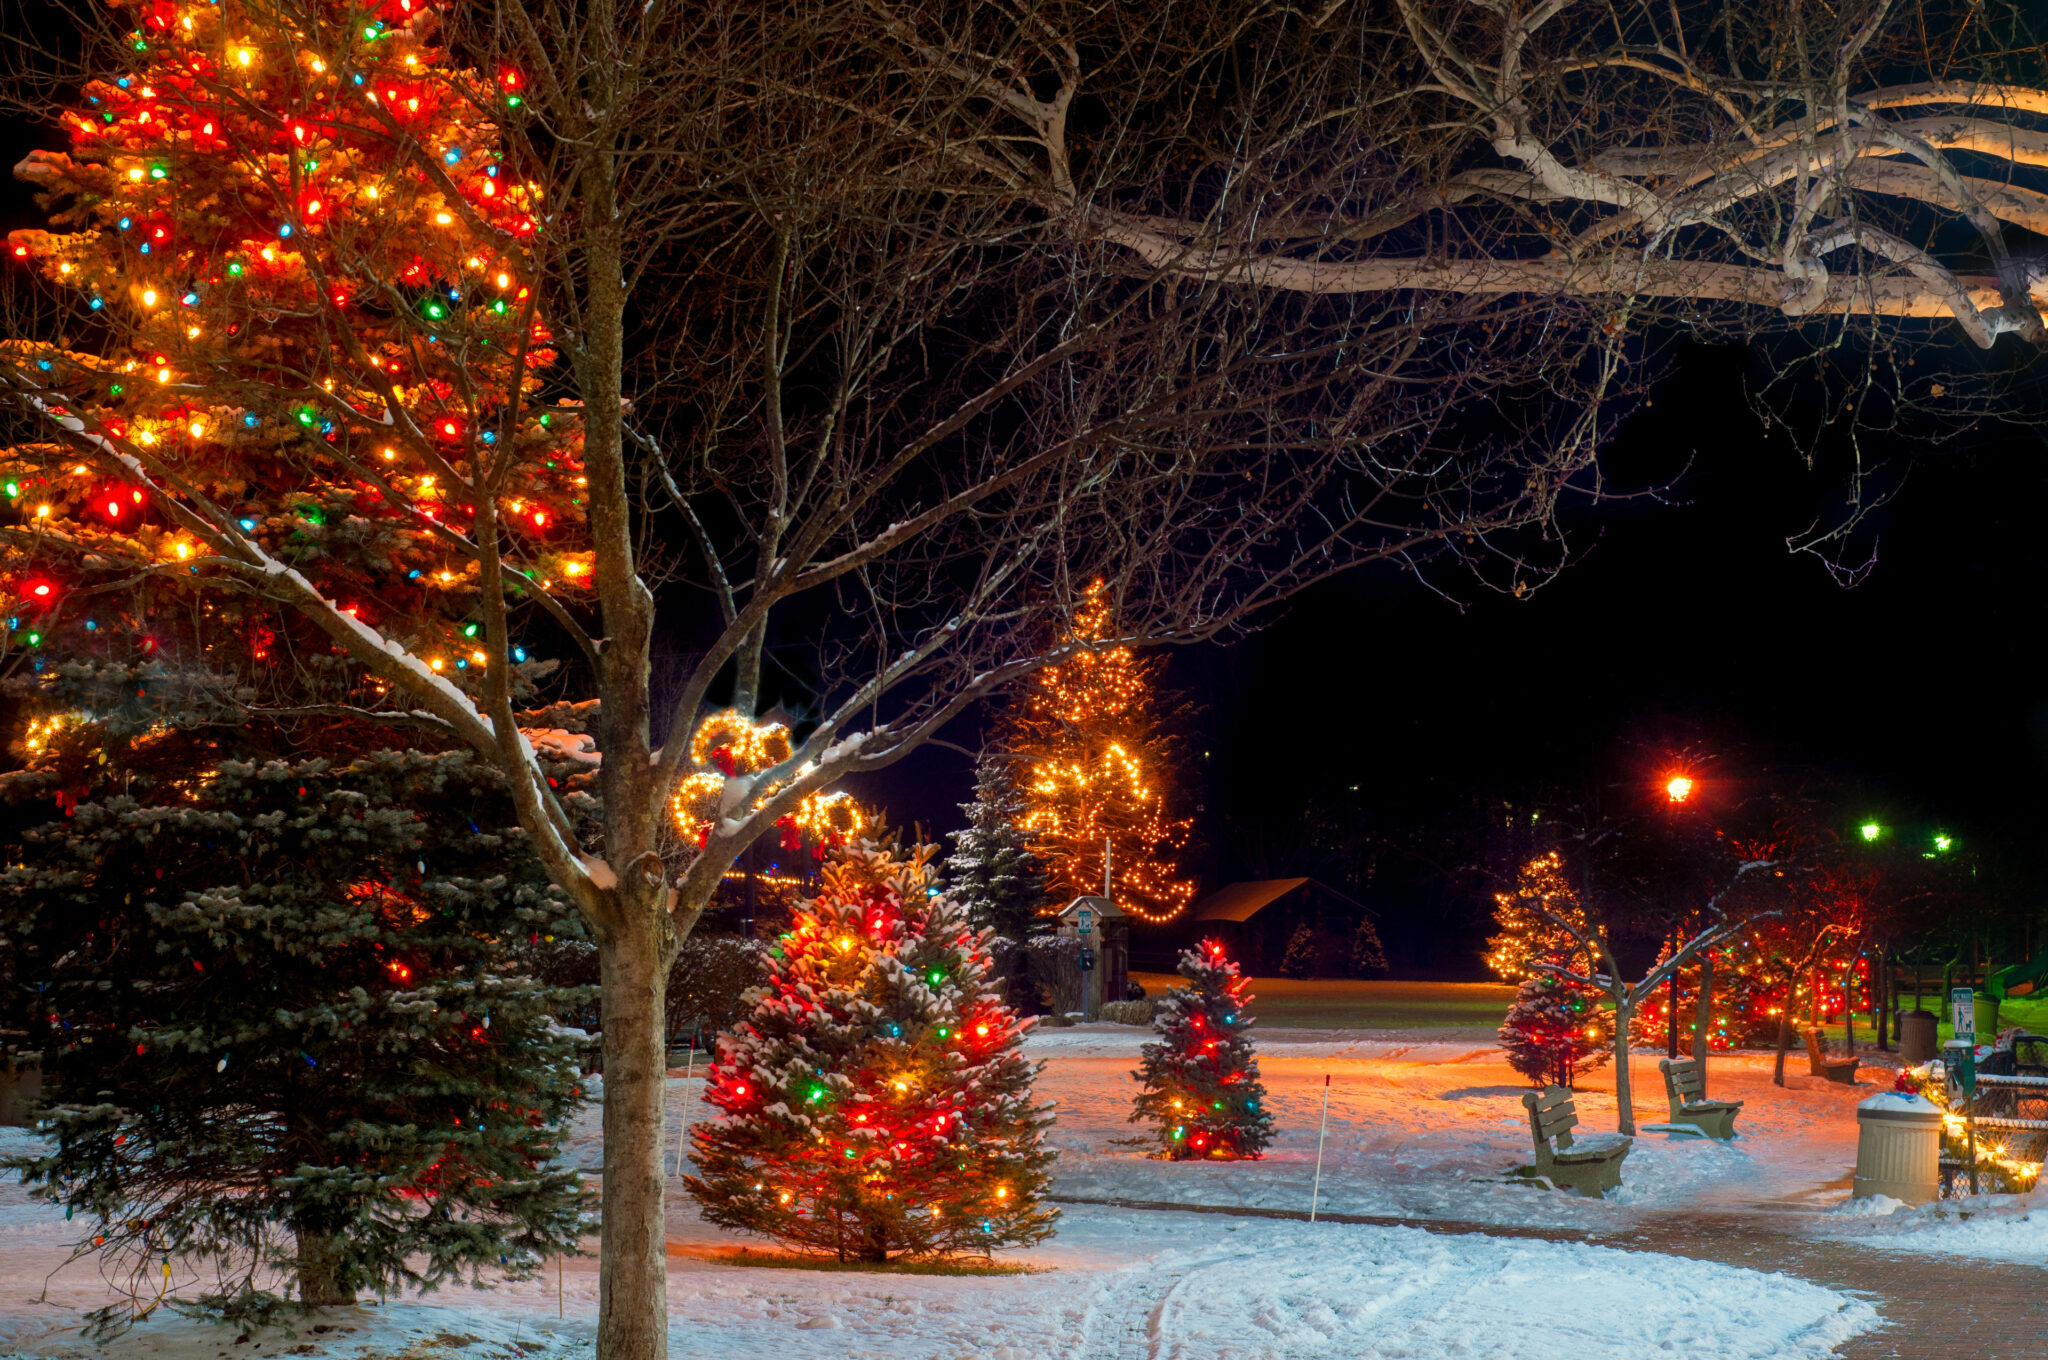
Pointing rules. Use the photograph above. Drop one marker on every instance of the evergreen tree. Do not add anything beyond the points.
(1304, 949)
(992, 872)
(1368, 957)
(1201, 1082)
(277, 1025)
(1555, 1030)
(1097, 746)
(877, 1101)
(1527, 935)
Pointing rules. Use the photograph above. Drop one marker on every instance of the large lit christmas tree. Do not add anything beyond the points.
(1098, 754)
(1201, 1083)
(877, 1102)
(301, 354)
(278, 1024)
(1529, 933)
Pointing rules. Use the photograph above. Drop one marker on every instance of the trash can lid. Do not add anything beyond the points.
(1899, 1105)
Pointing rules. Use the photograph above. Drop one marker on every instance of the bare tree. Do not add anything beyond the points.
(893, 328)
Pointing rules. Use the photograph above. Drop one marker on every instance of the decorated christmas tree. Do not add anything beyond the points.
(877, 1102)
(1555, 1030)
(1529, 931)
(296, 354)
(278, 1027)
(1201, 1082)
(1098, 752)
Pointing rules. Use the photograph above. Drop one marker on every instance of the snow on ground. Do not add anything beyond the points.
(1989, 1227)
(1195, 1286)
(1427, 1129)
(1419, 1129)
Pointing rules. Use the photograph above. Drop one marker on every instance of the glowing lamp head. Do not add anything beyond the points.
(1678, 788)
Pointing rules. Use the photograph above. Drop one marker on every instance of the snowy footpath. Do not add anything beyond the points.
(1417, 1130)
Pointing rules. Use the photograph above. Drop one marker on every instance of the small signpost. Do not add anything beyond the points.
(1960, 1053)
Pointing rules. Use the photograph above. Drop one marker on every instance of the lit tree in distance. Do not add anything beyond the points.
(1098, 761)
(1533, 921)
(1554, 1030)
(877, 1102)
(1201, 1083)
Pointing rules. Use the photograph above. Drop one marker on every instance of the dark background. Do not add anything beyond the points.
(1687, 619)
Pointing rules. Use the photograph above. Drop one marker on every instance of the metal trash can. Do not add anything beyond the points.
(1898, 1148)
(1917, 1037)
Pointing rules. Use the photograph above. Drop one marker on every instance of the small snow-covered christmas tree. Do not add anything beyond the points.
(877, 1101)
(1303, 950)
(1368, 956)
(1201, 1082)
(992, 872)
(1555, 1030)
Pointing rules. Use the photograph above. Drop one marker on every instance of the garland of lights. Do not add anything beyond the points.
(728, 745)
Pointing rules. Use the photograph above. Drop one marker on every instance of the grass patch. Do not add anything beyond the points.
(791, 1260)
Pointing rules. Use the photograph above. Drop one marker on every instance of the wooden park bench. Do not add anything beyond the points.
(1589, 1165)
(1841, 1070)
(1685, 1085)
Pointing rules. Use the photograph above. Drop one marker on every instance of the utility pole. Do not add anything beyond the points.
(1105, 867)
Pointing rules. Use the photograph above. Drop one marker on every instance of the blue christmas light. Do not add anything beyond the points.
(250, 420)
(452, 155)
(248, 526)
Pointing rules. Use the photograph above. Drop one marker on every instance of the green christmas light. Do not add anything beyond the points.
(1871, 831)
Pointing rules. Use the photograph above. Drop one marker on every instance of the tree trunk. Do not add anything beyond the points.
(632, 1315)
(1784, 1040)
(320, 1284)
(1624, 1098)
(1702, 1044)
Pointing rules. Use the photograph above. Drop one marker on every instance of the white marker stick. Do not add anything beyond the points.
(1321, 1131)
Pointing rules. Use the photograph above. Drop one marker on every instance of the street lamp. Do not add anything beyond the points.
(1678, 788)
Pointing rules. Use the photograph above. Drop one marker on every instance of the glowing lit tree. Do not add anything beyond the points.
(1555, 1029)
(280, 1027)
(1202, 1092)
(1098, 759)
(1535, 921)
(877, 1101)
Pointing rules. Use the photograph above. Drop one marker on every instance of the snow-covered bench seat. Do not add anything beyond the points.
(1685, 1083)
(1592, 1164)
(1841, 1070)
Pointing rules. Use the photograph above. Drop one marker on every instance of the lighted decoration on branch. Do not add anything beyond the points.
(728, 754)
(1201, 1089)
(1097, 758)
(307, 355)
(877, 1102)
